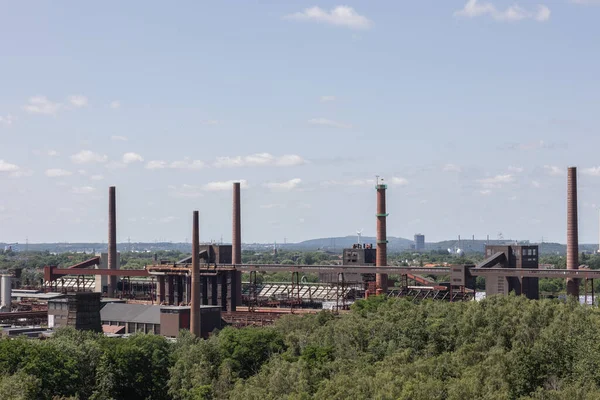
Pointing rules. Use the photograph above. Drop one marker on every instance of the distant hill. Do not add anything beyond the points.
(394, 243)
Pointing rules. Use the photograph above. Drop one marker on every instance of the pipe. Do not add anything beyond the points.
(236, 242)
(572, 231)
(112, 239)
(381, 280)
(195, 306)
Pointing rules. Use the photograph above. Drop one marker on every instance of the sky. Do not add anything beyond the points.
(471, 112)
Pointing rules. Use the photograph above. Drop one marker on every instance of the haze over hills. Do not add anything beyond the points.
(396, 244)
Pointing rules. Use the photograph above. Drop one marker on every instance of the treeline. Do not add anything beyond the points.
(500, 348)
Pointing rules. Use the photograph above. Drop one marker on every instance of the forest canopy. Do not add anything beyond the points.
(500, 348)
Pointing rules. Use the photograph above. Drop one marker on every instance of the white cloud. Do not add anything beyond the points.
(21, 173)
(83, 190)
(156, 164)
(224, 185)
(474, 8)
(96, 177)
(7, 120)
(78, 101)
(554, 170)
(325, 99)
(130, 157)
(485, 192)
(330, 123)
(167, 220)
(338, 16)
(41, 105)
(57, 172)
(536, 184)
(398, 181)
(8, 167)
(593, 171)
(52, 153)
(287, 185)
(88, 156)
(115, 104)
(186, 163)
(496, 181)
(289, 160)
(118, 138)
(516, 170)
(452, 168)
(259, 159)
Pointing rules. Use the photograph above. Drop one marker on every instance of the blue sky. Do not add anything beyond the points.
(470, 110)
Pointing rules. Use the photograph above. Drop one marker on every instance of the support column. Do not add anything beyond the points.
(231, 291)
(161, 289)
(204, 290)
(170, 290)
(214, 286)
(224, 294)
(180, 289)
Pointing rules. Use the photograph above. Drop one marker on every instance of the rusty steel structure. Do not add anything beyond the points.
(572, 231)
(212, 275)
(381, 256)
(195, 297)
(112, 239)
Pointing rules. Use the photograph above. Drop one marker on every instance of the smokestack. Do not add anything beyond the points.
(381, 280)
(572, 231)
(236, 240)
(195, 306)
(112, 239)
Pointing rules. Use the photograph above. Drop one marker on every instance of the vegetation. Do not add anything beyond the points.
(499, 348)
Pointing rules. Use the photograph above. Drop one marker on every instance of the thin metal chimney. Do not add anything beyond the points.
(236, 240)
(112, 239)
(195, 300)
(381, 280)
(572, 231)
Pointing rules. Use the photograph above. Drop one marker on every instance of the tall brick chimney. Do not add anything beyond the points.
(112, 239)
(572, 231)
(236, 240)
(381, 280)
(195, 298)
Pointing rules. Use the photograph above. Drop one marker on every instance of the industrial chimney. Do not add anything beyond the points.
(195, 300)
(572, 231)
(381, 280)
(112, 239)
(236, 241)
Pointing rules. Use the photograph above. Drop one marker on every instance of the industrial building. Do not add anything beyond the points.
(419, 242)
(187, 294)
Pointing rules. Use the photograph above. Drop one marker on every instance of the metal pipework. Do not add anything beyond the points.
(112, 239)
(572, 231)
(195, 298)
(381, 280)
